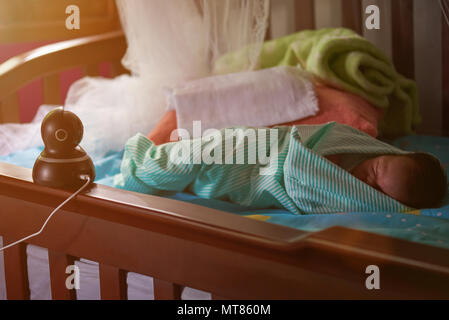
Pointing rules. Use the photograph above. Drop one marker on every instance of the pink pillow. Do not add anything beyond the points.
(345, 108)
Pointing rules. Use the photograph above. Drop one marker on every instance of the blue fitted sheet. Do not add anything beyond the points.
(430, 226)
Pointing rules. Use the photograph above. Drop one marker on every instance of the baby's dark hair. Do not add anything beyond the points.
(429, 181)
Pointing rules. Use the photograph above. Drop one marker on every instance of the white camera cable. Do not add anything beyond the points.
(50, 216)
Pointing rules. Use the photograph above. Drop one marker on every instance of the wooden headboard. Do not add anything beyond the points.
(398, 24)
(24, 21)
(42, 20)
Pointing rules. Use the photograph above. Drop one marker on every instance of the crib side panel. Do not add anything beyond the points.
(181, 244)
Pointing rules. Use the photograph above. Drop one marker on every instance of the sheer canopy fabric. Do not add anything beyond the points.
(181, 39)
(168, 42)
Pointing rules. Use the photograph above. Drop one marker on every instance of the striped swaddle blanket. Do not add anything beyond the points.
(283, 167)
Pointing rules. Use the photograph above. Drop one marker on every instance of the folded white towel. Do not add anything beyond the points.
(255, 98)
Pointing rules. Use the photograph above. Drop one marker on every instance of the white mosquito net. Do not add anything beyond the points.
(181, 39)
(168, 42)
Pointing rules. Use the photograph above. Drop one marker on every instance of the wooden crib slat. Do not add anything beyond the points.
(16, 271)
(91, 70)
(58, 263)
(164, 290)
(352, 15)
(9, 109)
(113, 283)
(117, 69)
(403, 41)
(304, 14)
(268, 35)
(445, 67)
(52, 89)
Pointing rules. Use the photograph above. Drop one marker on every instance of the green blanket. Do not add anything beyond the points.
(341, 58)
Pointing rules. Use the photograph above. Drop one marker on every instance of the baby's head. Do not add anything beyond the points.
(417, 180)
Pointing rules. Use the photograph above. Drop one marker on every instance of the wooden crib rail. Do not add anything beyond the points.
(47, 61)
(222, 253)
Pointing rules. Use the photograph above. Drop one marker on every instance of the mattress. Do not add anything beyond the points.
(428, 226)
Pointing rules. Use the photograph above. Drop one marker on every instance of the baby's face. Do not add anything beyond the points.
(389, 174)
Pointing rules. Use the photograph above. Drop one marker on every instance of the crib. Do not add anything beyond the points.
(181, 244)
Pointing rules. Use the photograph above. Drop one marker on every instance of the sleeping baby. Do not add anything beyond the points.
(305, 169)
